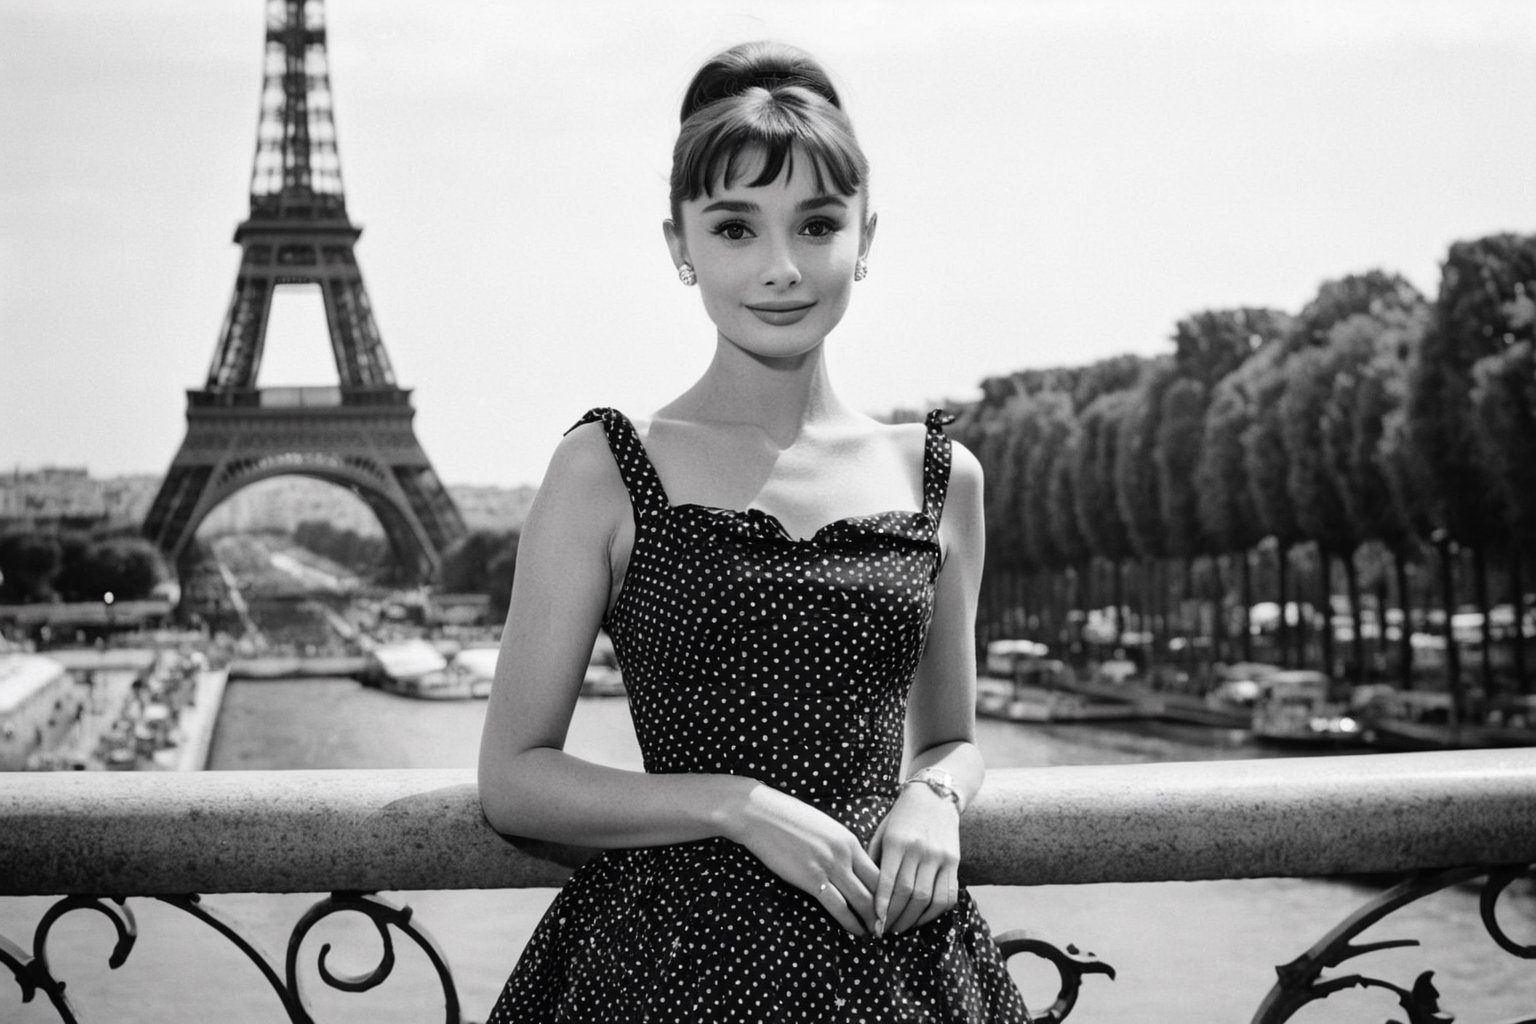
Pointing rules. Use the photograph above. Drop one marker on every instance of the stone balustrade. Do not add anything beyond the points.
(169, 834)
(367, 830)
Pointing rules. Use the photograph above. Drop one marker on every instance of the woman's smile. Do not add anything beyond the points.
(780, 314)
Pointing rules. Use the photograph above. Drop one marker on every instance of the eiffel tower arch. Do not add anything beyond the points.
(358, 434)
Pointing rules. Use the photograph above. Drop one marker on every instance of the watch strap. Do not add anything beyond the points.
(938, 780)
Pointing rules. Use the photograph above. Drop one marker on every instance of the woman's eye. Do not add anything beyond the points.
(820, 228)
(734, 230)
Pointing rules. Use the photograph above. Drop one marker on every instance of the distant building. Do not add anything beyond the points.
(39, 704)
(459, 610)
(55, 497)
(89, 619)
(69, 498)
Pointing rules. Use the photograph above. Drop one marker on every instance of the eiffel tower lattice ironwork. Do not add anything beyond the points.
(359, 434)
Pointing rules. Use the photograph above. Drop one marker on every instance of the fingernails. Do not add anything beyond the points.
(879, 927)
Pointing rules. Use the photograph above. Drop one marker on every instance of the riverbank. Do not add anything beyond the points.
(199, 721)
(142, 709)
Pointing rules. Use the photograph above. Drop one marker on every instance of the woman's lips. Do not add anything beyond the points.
(781, 314)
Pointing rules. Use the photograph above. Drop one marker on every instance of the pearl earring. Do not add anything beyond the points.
(686, 275)
(860, 269)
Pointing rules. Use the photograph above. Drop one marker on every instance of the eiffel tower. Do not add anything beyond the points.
(358, 434)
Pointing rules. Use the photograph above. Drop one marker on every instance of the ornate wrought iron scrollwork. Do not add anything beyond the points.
(287, 993)
(1301, 981)
(32, 972)
(31, 969)
(1499, 879)
(1071, 965)
(383, 915)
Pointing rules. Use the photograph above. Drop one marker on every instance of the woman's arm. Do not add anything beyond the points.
(529, 785)
(918, 844)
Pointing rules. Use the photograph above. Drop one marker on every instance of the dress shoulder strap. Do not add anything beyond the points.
(936, 461)
(640, 479)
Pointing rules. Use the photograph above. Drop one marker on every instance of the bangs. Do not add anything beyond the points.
(731, 163)
(766, 133)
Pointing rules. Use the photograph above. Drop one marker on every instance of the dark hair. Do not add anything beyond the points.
(763, 101)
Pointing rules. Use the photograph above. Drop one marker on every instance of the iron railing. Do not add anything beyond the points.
(95, 840)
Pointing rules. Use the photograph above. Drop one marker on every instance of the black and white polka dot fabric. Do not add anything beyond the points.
(747, 651)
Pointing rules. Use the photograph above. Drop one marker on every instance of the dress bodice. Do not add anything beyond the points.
(747, 651)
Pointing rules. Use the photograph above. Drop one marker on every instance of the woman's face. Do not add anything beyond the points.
(774, 263)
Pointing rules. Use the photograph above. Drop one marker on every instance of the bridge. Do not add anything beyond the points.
(1436, 819)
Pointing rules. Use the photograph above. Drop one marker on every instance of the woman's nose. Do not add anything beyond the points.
(781, 270)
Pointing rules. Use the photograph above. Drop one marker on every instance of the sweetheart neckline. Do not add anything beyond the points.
(752, 511)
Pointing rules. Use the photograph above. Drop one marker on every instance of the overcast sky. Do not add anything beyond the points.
(1056, 183)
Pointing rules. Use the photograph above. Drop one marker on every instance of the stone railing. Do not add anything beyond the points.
(94, 839)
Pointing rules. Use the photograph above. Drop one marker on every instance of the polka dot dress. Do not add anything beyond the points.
(750, 652)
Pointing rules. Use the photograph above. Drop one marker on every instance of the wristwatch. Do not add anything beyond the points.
(938, 780)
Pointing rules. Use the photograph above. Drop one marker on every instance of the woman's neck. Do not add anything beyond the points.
(782, 397)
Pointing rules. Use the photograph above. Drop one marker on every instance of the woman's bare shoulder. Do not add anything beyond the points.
(582, 455)
(964, 511)
(964, 468)
(911, 436)
(582, 479)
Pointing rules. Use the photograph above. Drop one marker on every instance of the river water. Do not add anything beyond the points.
(1183, 951)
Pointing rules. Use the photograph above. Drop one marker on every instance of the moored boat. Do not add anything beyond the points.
(1403, 720)
(473, 669)
(1299, 708)
(1213, 709)
(1228, 706)
(415, 668)
(1021, 684)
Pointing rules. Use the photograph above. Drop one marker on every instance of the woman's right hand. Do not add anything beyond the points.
(811, 851)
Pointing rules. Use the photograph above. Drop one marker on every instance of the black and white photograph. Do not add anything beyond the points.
(723, 511)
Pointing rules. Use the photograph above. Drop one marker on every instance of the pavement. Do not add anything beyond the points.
(112, 704)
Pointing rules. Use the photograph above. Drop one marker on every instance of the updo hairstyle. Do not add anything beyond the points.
(763, 101)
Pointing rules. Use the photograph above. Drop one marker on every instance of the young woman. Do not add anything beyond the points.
(789, 585)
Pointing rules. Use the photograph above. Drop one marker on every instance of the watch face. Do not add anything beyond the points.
(941, 782)
(939, 776)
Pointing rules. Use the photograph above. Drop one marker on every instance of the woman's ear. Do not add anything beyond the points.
(867, 236)
(674, 243)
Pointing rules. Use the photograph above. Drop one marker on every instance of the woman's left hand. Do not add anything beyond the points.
(917, 847)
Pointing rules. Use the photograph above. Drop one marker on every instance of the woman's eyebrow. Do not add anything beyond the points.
(731, 206)
(744, 206)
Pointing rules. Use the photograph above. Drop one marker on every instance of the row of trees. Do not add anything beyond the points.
(482, 563)
(43, 566)
(1374, 431)
(366, 554)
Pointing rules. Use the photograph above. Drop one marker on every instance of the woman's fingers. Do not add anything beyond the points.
(835, 903)
(919, 895)
(813, 852)
(898, 896)
(866, 870)
(917, 845)
(946, 894)
(894, 890)
(859, 889)
(914, 891)
(867, 874)
(847, 893)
